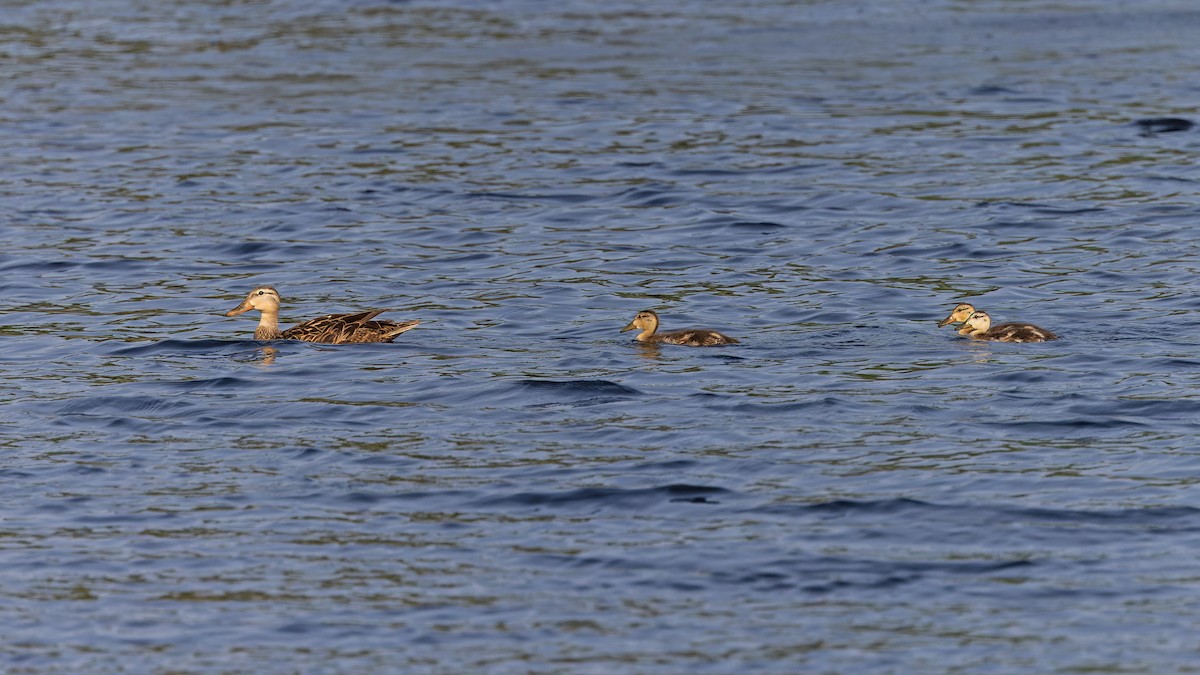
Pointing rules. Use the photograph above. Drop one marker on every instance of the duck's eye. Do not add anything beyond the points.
(262, 292)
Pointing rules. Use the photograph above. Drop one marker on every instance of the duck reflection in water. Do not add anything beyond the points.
(268, 356)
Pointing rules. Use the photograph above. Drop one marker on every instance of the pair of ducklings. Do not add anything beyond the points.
(364, 327)
(977, 325)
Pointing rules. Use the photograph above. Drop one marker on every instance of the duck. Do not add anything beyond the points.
(960, 314)
(336, 329)
(647, 322)
(979, 326)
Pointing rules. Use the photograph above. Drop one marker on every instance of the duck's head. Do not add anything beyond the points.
(263, 298)
(978, 322)
(959, 315)
(645, 321)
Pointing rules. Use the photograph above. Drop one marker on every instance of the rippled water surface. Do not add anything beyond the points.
(515, 486)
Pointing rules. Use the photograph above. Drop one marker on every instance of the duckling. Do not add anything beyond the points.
(331, 329)
(960, 314)
(978, 326)
(647, 321)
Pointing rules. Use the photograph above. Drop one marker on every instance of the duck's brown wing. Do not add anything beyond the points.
(333, 328)
(382, 331)
(1020, 332)
(695, 337)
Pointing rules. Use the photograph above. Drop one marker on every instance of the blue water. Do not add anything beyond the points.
(515, 486)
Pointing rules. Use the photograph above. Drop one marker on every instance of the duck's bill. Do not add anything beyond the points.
(947, 320)
(240, 309)
(631, 326)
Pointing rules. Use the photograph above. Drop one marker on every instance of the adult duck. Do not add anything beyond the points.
(331, 329)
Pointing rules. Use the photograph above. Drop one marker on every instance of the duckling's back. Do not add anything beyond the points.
(1020, 332)
(694, 337)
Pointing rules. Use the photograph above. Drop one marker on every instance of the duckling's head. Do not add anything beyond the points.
(959, 315)
(263, 298)
(978, 322)
(646, 321)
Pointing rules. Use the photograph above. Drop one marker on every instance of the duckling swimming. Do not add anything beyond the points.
(647, 321)
(978, 326)
(959, 315)
(330, 329)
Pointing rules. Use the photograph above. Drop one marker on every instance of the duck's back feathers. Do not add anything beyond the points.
(693, 337)
(979, 326)
(349, 328)
(1019, 332)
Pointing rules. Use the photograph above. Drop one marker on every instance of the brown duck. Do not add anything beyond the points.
(332, 328)
(979, 326)
(647, 321)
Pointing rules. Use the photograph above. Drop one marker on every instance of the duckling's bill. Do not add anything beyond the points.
(961, 313)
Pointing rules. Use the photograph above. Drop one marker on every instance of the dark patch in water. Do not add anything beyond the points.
(759, 226)
(580, 387)
(178, 346)
(209, 383)
(565, 198)
(990, 90)
(575, 392)
(130, 405)
(1163, 125)
(975, 513)
(606, 497)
